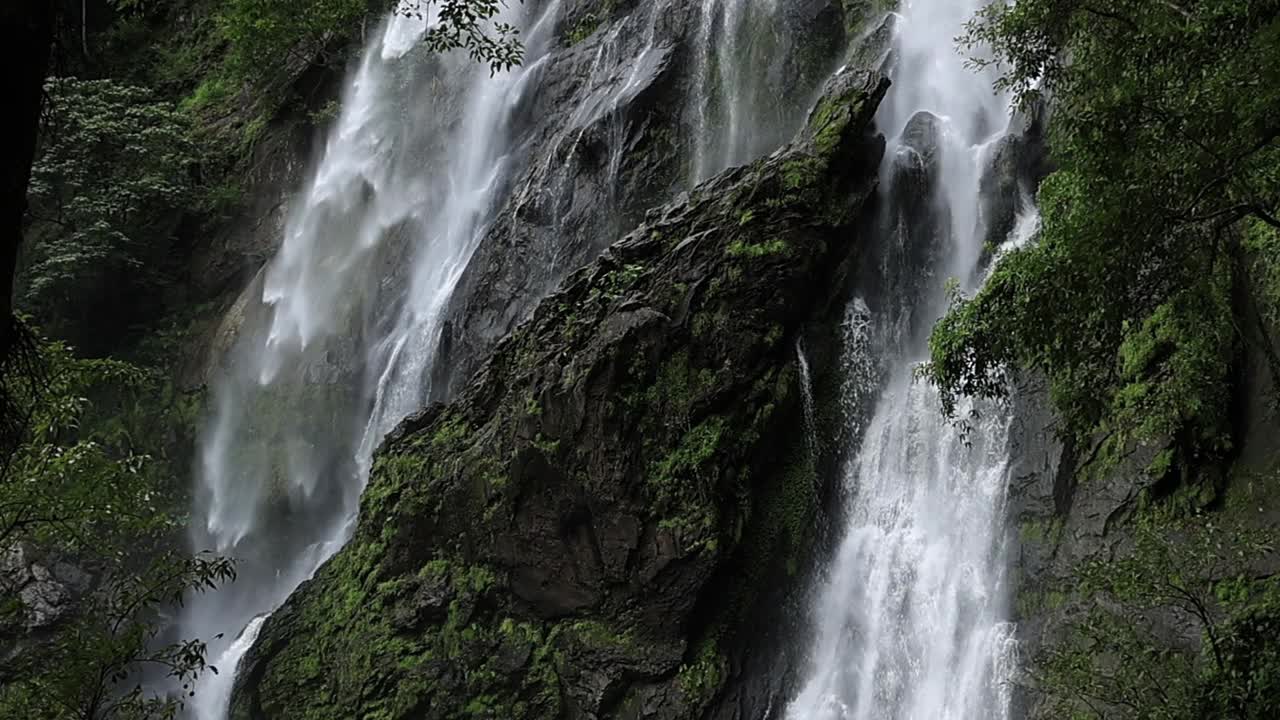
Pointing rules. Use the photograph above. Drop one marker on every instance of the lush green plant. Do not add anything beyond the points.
(112, 172)
(1164, 126)
(86, 488)
(1262, 243)
(1118, 660)
(268, 35)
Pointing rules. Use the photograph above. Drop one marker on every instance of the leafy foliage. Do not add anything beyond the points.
(266, 36)
(1262, 243)
(85, 487)
(113, 169)
(461, 26)
(1164, 127)
(1124, 658)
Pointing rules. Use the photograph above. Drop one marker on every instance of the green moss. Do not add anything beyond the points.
(672, 395)
(744, 249)
(1028, 603)
(701, 678)
(683, 482)
(345, 668)
(531, 406)
(1252, 493)
(210, 93)
(583, 29)
(449, 434)
(1041, 531)
(547, 446)
(783, 515)
(252, 133)
(801, 172)
(396, 472)
(708, 324)
(600, 635)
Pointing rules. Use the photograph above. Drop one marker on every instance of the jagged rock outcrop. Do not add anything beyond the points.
(613, 136)
(582, 531)
(1015, 166)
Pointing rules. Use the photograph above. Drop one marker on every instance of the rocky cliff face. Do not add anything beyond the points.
(608, 135)
(614, 134)
(1067, 515)
(581, 533)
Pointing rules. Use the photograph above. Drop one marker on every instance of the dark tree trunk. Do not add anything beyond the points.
(26, 40)
(26, 45)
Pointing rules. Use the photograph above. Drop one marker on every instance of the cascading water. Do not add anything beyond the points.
(910, 617)
(338, 345)
(741, 84)
(338, 349)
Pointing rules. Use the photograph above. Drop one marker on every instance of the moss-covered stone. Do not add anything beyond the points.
(537, 548)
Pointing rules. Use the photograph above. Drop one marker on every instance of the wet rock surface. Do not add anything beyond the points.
(613, 132)
(584, 530)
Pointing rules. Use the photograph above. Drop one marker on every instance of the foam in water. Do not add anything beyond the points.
(910, 618)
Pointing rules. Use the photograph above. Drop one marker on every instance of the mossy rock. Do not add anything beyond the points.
(537, 548)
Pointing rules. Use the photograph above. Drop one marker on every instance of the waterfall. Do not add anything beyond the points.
(910, 615)
(338, 346)
(216, 690)
(807, 404)
(339, 337)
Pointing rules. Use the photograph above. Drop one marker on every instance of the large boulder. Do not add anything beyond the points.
(582, 532)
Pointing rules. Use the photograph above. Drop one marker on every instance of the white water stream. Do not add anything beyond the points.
(910, 617)
(738, 109)
(338, 350)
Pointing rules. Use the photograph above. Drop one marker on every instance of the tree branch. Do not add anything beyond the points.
(1110, 15)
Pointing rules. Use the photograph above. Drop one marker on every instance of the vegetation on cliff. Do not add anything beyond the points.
(1126, 656)
(1165, 135)
(89, 507)
(139, 122)
(1151, 281)
(584, 531)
